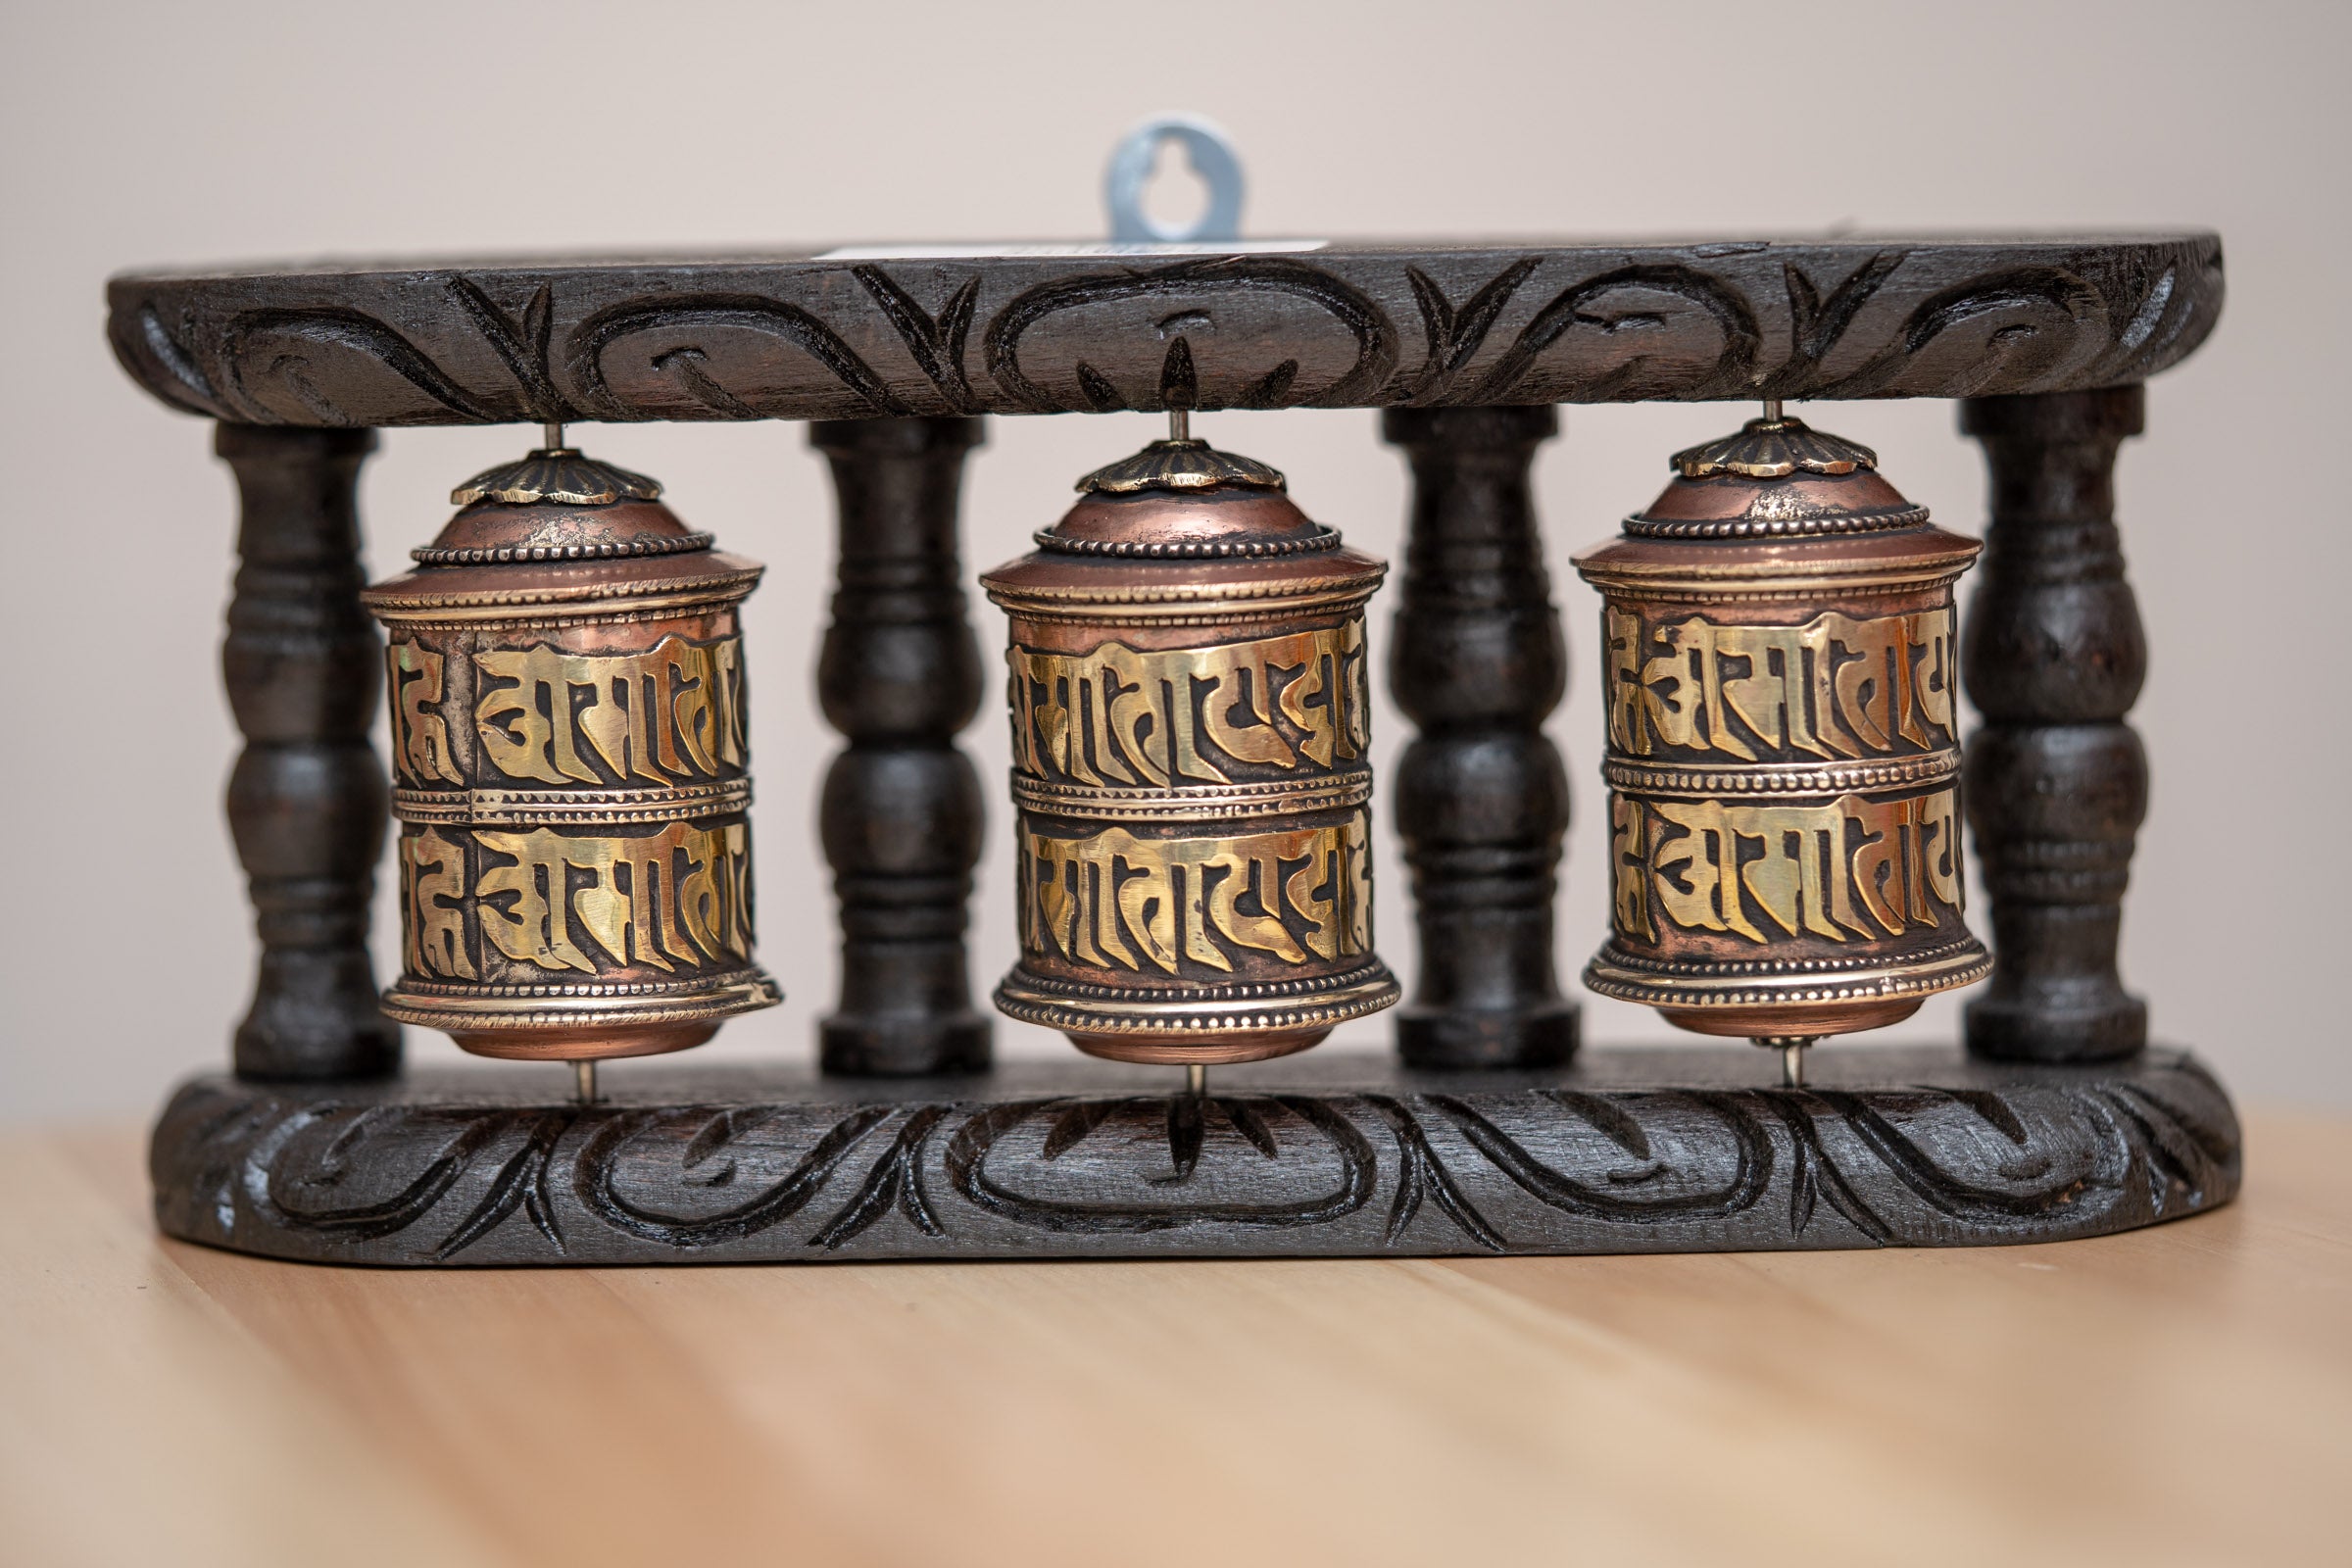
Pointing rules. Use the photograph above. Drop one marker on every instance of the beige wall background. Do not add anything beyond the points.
(150, 133)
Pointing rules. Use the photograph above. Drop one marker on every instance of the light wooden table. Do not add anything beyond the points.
(2179, 1394)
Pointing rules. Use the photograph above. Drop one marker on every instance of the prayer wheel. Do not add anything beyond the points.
(570, 769)
(1191, 724)
(1780, 655)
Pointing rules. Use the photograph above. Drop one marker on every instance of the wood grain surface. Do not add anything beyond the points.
(976, 329)
(2178, 1395)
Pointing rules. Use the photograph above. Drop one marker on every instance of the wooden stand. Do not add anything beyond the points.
(311, 1151)
(1335, 1153)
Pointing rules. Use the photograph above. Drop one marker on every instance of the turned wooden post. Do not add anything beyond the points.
(1477, 661)
(2057, 782)
(308, 800)
(899, 675)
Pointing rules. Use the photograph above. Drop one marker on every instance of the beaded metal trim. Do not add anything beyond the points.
(1835, 522)
(645, 544)
(1192, 548)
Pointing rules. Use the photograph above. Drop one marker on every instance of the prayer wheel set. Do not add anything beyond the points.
(1187, 680)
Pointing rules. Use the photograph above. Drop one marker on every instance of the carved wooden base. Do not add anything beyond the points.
(1330, 1154)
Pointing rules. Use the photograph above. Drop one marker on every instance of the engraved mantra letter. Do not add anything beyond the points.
(432, 876)
(1114, 898)
(1833, 687)
(419, 737)
(1119, 716)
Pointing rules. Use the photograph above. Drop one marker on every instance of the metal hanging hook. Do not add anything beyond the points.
(1212, 155)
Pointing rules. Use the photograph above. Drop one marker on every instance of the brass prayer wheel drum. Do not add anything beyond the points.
(1191, 722)
(569, 770)
(1782, 762)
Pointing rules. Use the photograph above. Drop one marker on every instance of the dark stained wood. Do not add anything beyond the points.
(1331, 1153)
(900, 814)
(308, 798)
(1357, 324)
(2056, 781)
(1477, 661)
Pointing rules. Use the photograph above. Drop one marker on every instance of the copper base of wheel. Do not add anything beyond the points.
(1790, 1004)
(1797, 1020)
(589, 1044)
(577, 1028)
(1173, 1029)
(1161, 1052)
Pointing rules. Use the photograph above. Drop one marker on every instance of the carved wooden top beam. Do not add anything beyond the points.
(1034, 329)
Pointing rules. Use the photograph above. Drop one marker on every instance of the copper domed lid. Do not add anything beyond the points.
(555, 504)
(1184, 500)
(1778, 507)
(1181, 520)
(556, 526)
(1777, 479)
